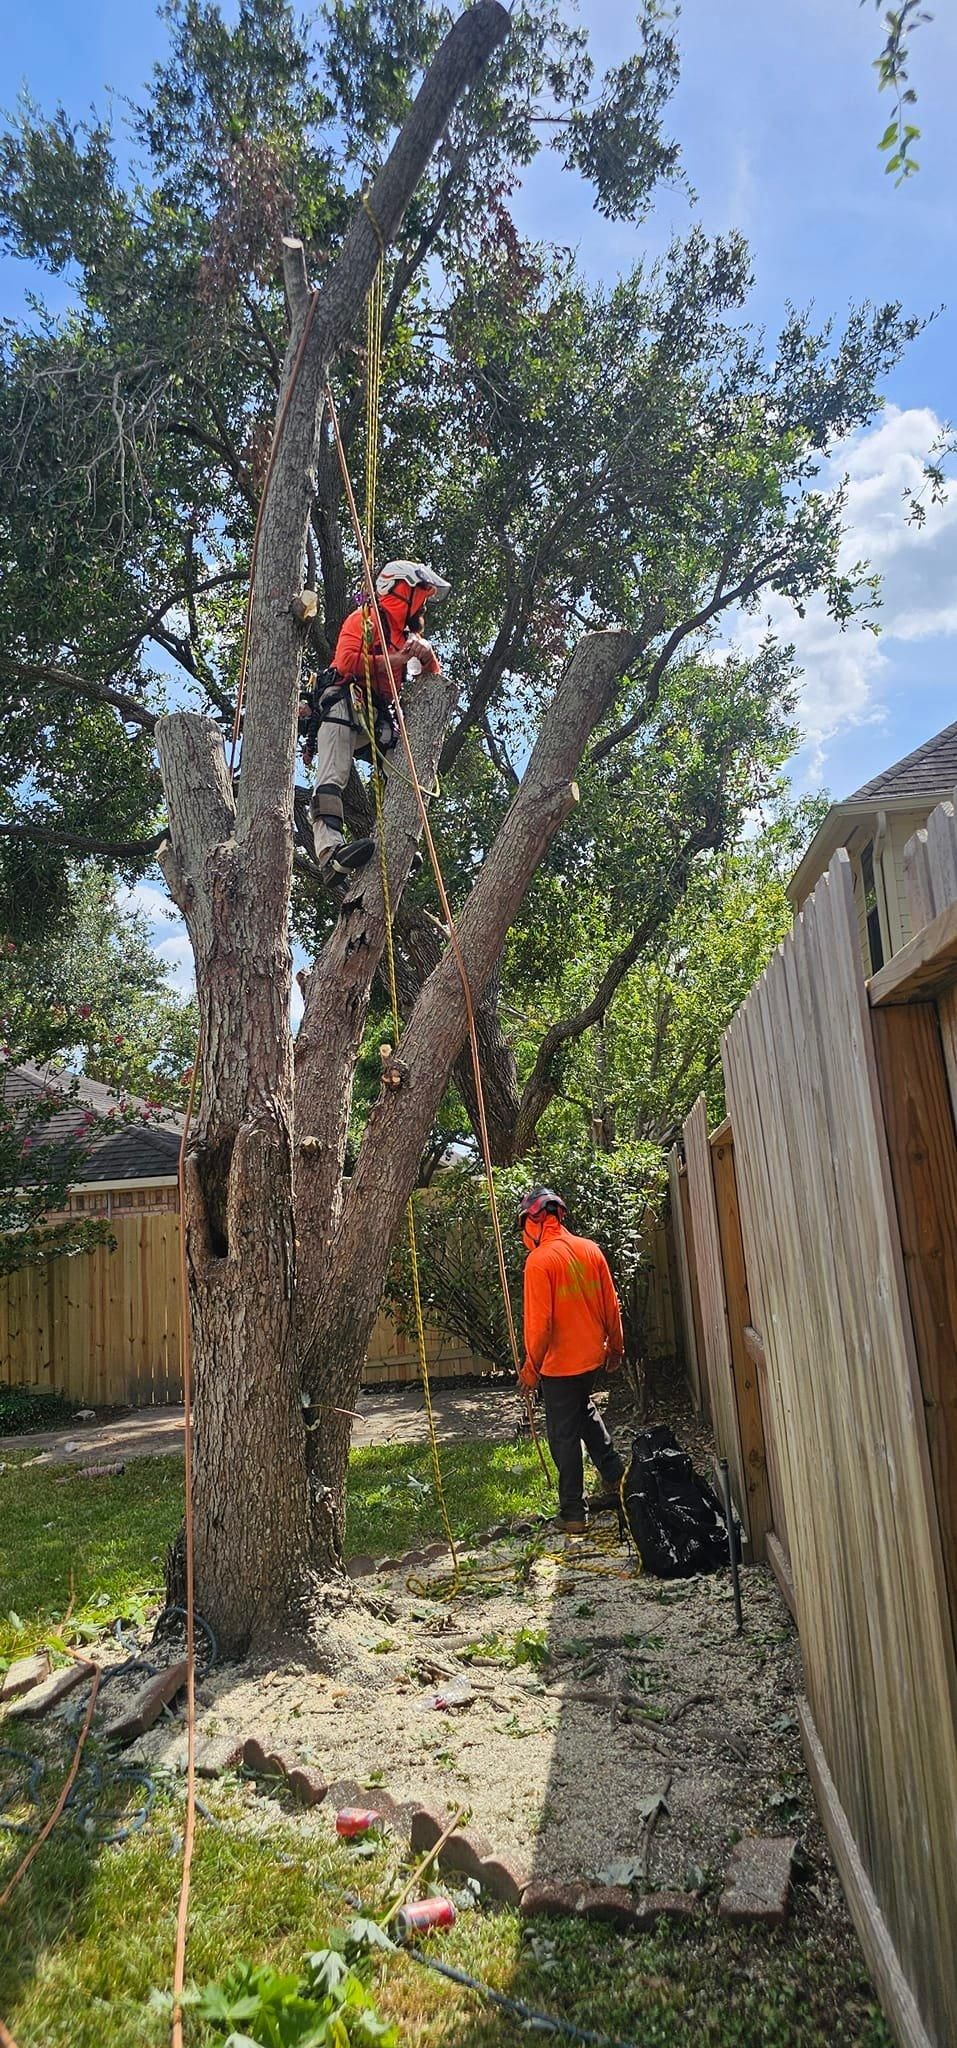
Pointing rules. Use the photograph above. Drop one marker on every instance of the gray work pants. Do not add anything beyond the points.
(336, 743)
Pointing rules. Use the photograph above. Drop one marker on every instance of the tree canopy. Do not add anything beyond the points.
(570, 455)
(80, 985)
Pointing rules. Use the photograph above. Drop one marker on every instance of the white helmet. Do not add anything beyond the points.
(417, 574)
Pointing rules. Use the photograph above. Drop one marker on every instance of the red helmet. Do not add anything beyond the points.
(540, 1202)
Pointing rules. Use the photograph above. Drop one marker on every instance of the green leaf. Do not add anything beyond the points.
(363, 1934)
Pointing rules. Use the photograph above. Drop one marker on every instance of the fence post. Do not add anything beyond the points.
(738, 1308)
(714, 1311)
(690, 1306)
(923, 1153)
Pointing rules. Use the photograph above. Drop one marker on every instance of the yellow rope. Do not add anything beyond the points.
(374, 306)
(452, 935)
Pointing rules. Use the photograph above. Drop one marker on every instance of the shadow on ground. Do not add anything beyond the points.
(620, 1732)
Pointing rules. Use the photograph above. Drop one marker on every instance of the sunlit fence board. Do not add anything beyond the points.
(821, 1235)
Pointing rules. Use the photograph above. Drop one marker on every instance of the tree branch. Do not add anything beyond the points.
(719, 602)
(400, 1122)
(75, 842)
(275, 359)
(264, 803)
(515, 618)
(189, 430)
(337, 995)
(422, 941)
(540, 1086)
(497, 754)
(173, 598)
(132, 710)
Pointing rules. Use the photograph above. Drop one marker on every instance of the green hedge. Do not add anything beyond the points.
(26, 1408)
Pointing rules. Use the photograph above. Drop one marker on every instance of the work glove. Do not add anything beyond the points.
(529, 1376)
(420, 650)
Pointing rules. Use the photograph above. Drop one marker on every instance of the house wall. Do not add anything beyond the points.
(901, 826)
(896, 927)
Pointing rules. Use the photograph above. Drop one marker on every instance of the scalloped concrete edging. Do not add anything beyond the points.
(363, 1565)
(467, 1853)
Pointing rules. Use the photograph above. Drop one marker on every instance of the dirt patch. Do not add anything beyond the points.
(589, 1693)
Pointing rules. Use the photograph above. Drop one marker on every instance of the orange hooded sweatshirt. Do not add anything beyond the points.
(572, 1313)
(349, 660)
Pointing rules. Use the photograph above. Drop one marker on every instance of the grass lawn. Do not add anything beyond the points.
(90, 1932)
(112, 1533)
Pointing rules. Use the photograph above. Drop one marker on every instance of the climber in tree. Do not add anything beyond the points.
(334, 719)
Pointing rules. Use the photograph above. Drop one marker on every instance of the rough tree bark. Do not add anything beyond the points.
(397, 1130)
(423, 944)
(250, 1498)
(230, 870)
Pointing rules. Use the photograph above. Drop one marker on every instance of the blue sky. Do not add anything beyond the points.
(778, 117)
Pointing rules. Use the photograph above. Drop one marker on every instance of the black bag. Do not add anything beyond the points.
(674, 1516)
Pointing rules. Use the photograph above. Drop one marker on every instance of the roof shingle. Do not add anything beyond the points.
(930, 771)
(136, 1151)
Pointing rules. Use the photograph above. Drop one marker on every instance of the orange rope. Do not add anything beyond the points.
(185, 1352)
(67, 1786)
(449, 920)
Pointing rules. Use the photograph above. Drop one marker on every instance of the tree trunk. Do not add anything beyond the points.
(400, 1122)
(250, 1500)
(423, 943)
(230, 868)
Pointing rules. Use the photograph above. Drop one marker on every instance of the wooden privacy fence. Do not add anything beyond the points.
(103, 1327)
(817, 1252)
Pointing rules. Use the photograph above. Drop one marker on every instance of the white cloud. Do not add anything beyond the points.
(177, 957)
(846, 674)
(150, 899)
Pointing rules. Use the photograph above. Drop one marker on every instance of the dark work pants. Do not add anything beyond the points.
(571, 1419)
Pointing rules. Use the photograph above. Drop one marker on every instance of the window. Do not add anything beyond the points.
(875, 944)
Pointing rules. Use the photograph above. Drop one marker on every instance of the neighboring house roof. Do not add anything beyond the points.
(919, 782)
(137, 1151)
(930, 771)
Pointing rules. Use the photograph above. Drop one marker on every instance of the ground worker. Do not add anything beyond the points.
(572, 1327)
(334, 718)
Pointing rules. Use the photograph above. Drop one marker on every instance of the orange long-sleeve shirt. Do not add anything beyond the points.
(572, 1313)
(349, 659)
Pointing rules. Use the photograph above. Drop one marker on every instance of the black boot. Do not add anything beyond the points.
(343, 862)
